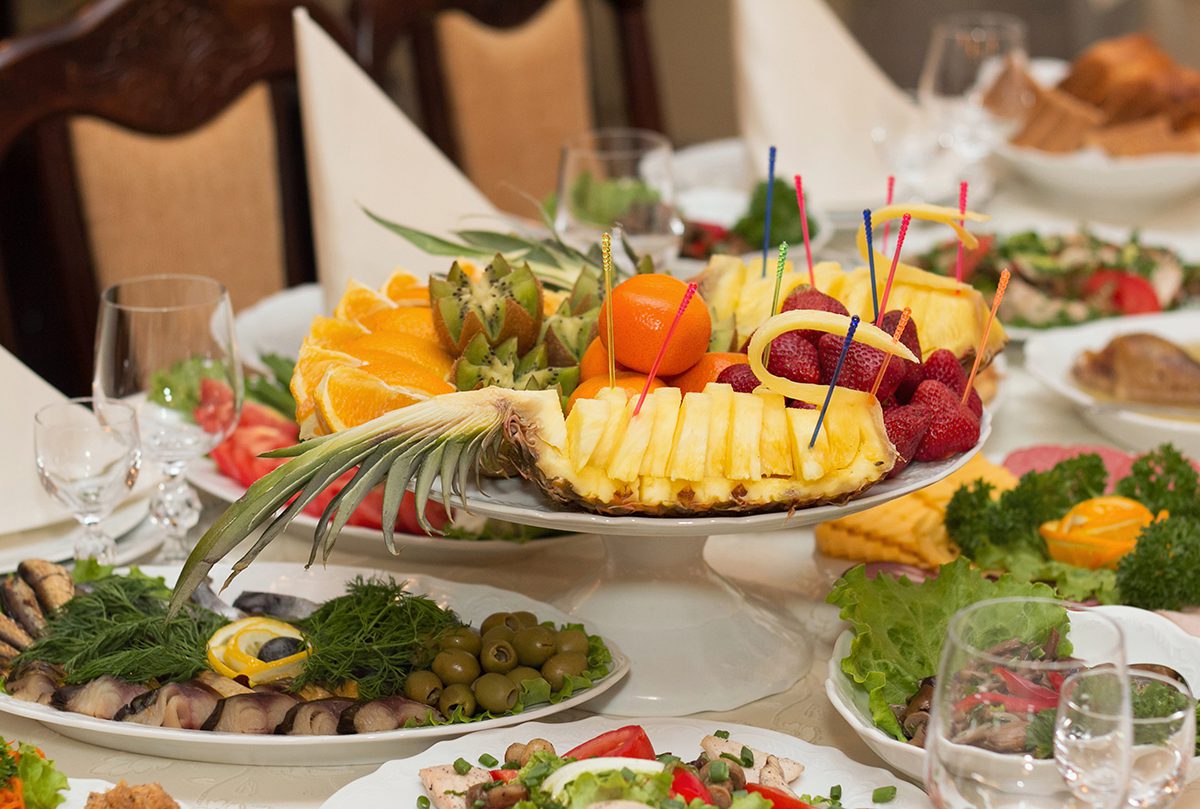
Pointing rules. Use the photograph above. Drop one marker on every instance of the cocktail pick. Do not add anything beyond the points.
(770, 199)
(962, 210)
(987, 327)
(683, 305)
(837, 371)
(812, 279)
(871, 262)
(887, 358)
(606, 263)
(783, 251)
(887, 289)
(887, 226)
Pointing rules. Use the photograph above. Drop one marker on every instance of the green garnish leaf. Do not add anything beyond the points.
(1163, 570)
(41, 781)
(1164, 480)
(1039, 736)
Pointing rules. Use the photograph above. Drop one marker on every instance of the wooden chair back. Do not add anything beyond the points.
(145, 136)
(502, 83)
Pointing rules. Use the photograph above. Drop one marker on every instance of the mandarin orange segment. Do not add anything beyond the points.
(426, 353)
(330, 332)
(359, 302)
(644, 307)
(311, 365)
(347, 397)
(416, 321)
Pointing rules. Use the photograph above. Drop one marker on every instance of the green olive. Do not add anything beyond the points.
(423, 686)
(500, 632)
(522, 673)
(456, 666)
(464, 637)
(500, 619)
(495, 692)
(498, 656)
(572, 640)
(535, 645)
(457, 696)
(563, 665)
(525, 618)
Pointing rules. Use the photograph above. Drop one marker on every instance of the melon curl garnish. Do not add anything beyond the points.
(816, 320)
(930, 213)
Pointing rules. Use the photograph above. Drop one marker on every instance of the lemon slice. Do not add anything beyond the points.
(233, 650)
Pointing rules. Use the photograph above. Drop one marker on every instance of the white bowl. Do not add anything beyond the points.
(1092, 174)
(1050, 356)
(1149, 638)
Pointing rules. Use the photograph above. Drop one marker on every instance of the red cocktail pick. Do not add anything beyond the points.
(683, 305)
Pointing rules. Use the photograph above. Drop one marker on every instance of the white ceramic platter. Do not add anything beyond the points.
(1149, 638)
(134, 535)
(204, 475)
(396, 782)
(1051, 356)
(277, 324)
(473, 603)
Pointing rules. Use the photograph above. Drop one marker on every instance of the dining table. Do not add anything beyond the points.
(780, 566)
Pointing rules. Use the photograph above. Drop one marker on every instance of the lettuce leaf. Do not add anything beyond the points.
(899, 627)
(42, 783)
(590, 788)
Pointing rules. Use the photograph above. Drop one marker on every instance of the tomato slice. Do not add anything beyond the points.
(972, 258)
(1130, 294)
(630, 741)
(687, 786)
(504, 776)
(778, 798)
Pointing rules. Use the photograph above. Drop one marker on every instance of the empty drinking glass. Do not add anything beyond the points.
(1164, 738)
(619, 177)
(1093, 735)
(165, 345)
(88, 459)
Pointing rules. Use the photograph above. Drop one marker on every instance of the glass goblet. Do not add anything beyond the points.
(88, 458)
(1164, 738)
(165, 344)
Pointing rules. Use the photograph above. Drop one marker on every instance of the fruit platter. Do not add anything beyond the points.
(359, 667)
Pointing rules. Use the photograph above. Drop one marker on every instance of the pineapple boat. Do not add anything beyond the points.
(706, 450)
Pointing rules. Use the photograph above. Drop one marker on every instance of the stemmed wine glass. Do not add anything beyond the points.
(87, 458)
(165, 344)
(995, 712)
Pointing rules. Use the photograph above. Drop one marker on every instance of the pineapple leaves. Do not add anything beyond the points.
(433, 245)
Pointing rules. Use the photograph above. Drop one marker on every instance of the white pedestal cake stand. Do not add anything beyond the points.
(697, 641)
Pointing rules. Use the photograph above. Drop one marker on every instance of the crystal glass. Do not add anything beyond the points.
(88, 459)
(619, 178)
(1164, 738)
(966, 53)
(991, 733)
(1093, 735)
(165, 344)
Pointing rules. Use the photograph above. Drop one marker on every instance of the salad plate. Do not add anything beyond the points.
(134, 535)
(472, 602)
(204, 475)
(1052, 355)
(1149, 638)
(396, 783)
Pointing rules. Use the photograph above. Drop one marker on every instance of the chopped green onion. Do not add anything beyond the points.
(747, 756)
(462, 766)
(488, 760)
(423, 802)
(883, 795)
(673, 803)
(627, 774)
(835, 792)
(718, 771)
(669, 759)
(722, 734)
(731, 757)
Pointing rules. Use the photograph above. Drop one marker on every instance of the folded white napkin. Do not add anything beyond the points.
(362, 150)
(805, 85)
(24, 504)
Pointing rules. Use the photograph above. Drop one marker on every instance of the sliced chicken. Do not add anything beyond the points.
(714, 746)
(1142, 368)
(447, 789)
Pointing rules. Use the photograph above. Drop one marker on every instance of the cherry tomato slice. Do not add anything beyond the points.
(630, 741)
(778, 798)
(687, 786)
(504, 776)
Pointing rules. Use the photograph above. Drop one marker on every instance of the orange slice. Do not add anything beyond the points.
(310, 368)
(329, 332)
(416, 321)
(396, 370)
(347, 397)
(427, 353)
(405, 289)
(359, 302)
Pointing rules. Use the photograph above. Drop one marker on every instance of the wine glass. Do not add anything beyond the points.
(619, 177)
(991, 731)
(967, 52)
(88, 458)
(165, 344)
(1164, 738)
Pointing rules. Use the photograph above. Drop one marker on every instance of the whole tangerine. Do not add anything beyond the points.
(595, 361)
(643, 308)
(706, 370)
(633, 383)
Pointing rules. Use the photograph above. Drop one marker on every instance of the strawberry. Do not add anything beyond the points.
(953, 428)
(861, 366)
(806, 297)
(740, 377)
(975, 403)
(944, 367)
(794, 358)
(906, 428)
(912, 378)
(799, 405)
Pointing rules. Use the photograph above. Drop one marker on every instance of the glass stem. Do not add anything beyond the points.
(176, 508)
(93, 543)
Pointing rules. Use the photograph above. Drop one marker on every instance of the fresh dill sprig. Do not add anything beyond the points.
(375, 635)
(119, 627)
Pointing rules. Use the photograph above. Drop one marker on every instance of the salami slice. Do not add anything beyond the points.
(1045, 456)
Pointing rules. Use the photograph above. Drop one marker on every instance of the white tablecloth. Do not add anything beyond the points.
(780, 564)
